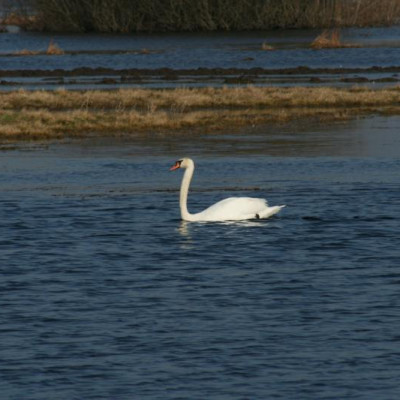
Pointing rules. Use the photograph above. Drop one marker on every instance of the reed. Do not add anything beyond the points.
(26, 52)
(267, 47)
(53, 49)
(207, 15)
(330, 39)
(21, 19)
(62, 113)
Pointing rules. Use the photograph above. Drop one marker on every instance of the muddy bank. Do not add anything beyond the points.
(89, 78)
(302, 70)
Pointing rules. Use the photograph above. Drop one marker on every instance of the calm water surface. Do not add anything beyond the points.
(106, 294)
(375, 47)
(379, 47)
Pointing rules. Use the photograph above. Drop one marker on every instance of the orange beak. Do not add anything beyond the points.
(175, 166)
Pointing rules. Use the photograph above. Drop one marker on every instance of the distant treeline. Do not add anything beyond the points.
(209, 15)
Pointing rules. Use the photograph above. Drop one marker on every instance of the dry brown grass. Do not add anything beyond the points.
(53, 49)
(187, 99)
(26, 52)
(266, 46)
(19, 19)
(46, 114)
(330, 39)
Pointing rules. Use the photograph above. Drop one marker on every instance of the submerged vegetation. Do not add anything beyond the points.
(62, 113)
(202, 15)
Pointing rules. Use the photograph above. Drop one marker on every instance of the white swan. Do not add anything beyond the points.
(231, 209)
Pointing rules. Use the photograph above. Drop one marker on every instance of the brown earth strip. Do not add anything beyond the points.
(87, 71)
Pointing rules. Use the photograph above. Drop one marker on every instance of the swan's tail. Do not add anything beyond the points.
(269, 211)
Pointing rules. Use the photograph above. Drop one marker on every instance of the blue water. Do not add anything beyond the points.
(106, 294)
(379, 47)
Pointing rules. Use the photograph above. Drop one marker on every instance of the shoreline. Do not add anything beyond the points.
(201, 71)
(58, 114)
(87, 78)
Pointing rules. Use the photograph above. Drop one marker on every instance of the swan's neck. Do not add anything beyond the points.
(187, 177)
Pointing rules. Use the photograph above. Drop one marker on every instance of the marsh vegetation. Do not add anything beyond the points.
(202, 15)
(62, 113)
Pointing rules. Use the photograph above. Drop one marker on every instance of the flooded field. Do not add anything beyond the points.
(105, 293)
(202, 59)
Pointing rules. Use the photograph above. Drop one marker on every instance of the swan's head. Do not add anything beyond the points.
(183, 163)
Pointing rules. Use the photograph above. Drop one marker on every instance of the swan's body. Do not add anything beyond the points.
(230, 209)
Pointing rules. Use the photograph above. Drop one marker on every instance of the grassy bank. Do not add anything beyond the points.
(61, 113)
(204, 15)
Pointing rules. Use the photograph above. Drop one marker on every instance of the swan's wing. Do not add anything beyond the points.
(234, 208)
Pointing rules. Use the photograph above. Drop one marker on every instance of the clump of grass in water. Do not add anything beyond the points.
(330, 40)
(26, 52)
(53, 49)
(267, 47)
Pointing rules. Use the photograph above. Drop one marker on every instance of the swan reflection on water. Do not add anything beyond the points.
(185, 228)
